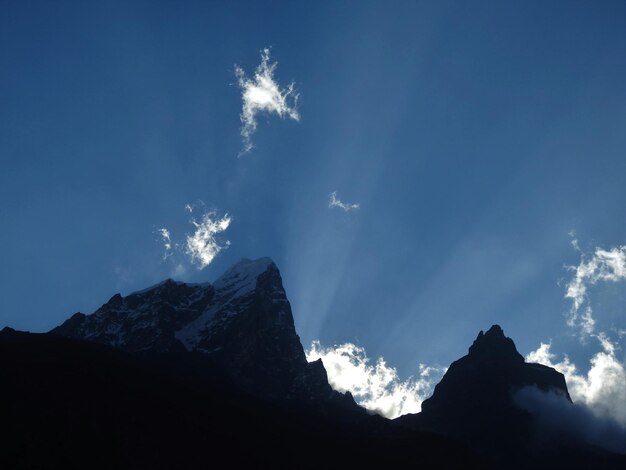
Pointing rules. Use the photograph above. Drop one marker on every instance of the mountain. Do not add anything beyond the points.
(475, 403)
(243, 323)
(487, 377)
(194, 375)
(73, 404)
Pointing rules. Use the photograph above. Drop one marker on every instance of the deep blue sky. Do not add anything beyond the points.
(474, 135)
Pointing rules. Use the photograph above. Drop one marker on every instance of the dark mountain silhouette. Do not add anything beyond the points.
(243, 323)
(199, 375)
(73, 404)
(475, 403)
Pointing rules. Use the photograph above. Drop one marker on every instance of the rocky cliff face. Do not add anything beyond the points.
(182, 338)
(144, 321)
(474, 401)
(243, 322)
(489, 374)
(74, 404)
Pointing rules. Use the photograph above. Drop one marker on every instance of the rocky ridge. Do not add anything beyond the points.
(242, 322)
(474, 401)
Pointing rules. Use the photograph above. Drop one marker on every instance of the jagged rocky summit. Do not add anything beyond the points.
(475, 399)
(489, 374)
(242, 322)
(103, 384)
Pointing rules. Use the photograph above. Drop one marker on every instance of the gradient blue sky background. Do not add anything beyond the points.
(474, 135)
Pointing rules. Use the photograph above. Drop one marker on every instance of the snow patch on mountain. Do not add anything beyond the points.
(230, 289)
(241, 278)
(165, 282)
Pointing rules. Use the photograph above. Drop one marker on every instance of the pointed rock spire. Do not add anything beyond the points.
(494, 345)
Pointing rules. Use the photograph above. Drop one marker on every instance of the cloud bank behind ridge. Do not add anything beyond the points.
(603, 266)
(376, 386)
(602, 390)
(556, 417)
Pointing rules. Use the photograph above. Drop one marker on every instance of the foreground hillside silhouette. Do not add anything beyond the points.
(198, 376)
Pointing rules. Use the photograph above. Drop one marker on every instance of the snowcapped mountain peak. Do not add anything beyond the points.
(156, 286)
(233, 293)
(243, 321)
(241, 278)
(167, 284)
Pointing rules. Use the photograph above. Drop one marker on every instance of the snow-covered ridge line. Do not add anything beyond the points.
(241, 277)
(167, 281)
(169, 313)
(237, 282)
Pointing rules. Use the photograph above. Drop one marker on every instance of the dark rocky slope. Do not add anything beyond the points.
(183, 375)
(475, 403)
(243, 323)
(71, 404)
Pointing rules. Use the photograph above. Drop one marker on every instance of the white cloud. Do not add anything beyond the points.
(602, 389)
(262, 94)
(199, 204)
(202, 246)
(374, 386)
(556, 417)
(167, 242)
(603, 266)
(199, 248)
(336, 202)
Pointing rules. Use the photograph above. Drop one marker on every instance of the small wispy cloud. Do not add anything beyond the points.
(167, 242)
(377, 386)
(603, 266)
(262, 94)
(603, 389)
(202, 246)
(334, 201)
(195, 206)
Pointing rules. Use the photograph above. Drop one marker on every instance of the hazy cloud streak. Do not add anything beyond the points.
(261, 93)
(334, 201)
(167, 242)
